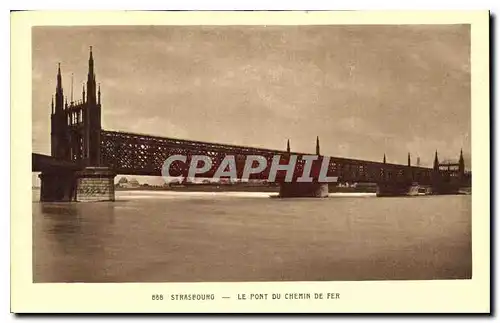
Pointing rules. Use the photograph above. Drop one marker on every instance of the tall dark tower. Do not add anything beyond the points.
(436, 162)
(288, 146)
(409, 160)
(59, 147)
(461, 163)
(384, 159)
(317, 145)
(93, 118)
(75, 137)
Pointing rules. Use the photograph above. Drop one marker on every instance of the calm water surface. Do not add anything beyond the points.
(187, 237)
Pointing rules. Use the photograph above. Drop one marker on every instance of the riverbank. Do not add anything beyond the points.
(238, 188)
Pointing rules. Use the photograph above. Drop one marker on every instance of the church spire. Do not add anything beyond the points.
(317, 145)
(384, 158)
(409, 160)
(288, 146)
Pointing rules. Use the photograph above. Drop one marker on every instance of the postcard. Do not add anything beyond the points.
(239, 162)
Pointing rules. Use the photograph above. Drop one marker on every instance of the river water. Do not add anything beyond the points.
(150, 236)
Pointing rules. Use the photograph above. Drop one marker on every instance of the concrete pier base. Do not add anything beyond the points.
(414, 189)
(394, 189)
(57, 186)
(303, 190)
(445, 188)
(95, 184)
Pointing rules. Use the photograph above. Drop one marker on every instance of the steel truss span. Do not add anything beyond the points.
(137, 154)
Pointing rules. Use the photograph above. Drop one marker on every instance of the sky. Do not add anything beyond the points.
(364, 90)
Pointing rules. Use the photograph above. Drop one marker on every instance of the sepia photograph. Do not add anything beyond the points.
(251, 161)
(388, 105)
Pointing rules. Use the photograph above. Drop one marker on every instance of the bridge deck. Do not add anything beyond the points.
(40, 163)
(139, 154)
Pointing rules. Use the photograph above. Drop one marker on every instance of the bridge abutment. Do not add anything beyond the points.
(303, 190)
(95, 184)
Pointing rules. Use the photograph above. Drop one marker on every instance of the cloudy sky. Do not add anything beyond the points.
(364, 90)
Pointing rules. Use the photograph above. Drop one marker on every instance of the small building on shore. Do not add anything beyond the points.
(125, 183)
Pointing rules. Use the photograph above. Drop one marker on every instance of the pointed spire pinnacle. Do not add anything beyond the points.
(409, 160)
(52, 104)
(288, 146)
(384, 158)
(91, 86)
(436, 161)
(99, 94)
(59, 98)
(461, 162)
(317, 146)
(59, 77)
(83, 92)
(91, 62)
(72, 75)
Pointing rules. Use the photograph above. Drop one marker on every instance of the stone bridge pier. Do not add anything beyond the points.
(57, 186)
(95, 184)
(387, 188)
(304, 189)
(92, 184)
(295, 189)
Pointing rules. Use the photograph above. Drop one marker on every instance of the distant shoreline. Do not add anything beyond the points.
(236, 188)
(231, 188)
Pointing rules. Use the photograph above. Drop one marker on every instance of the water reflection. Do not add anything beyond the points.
(65, 220)
(71, 240)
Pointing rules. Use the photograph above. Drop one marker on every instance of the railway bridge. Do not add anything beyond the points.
(85, 158)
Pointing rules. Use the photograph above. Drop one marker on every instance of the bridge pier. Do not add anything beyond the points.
(57, 186)
(303, 190)
(386, 189)
(95, 184)
(445, 188)
(91, 184)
